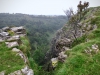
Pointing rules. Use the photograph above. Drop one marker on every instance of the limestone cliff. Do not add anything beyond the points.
(68, 37)
(68, 34)
(14, 47)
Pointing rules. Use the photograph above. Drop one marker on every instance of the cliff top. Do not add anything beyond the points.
(14, 47)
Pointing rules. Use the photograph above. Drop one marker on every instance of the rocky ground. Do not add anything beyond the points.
(11, 37)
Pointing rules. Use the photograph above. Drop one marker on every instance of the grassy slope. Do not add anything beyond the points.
(78, 62)
(9, 60)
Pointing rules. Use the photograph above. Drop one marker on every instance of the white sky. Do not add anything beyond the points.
(41, 7)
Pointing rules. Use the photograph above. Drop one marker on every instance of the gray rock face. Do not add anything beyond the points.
(27, 71)
(15, 50)
(18, 30)
(12, 44)
(54, 62)
(89, 27)
(16, 73)
(94, 27)
(93, 49)
(30, 72)
(24, 71)
(62, 56)
(14, 38)
(4, 34)
(1, 40)
(22, 35)
(2, 73)
(64, 42)
(15, 29)
(21, 54)
(6, 29)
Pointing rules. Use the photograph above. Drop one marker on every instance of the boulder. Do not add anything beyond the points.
(5, 29)
(13, 38)
(27, 71)
(89, 27)
(16, 73)
(94, 27)
(84, 26)
(30, 72)
(20, 29)
(61, 43)
(62, 57)
(1, 40)
(65, 48)
(4, 34)
(15, 29)
(54, 62)
(21, 54)
(19, 32)
(15, 50)
(95, 48)
(11, 44)
(2, 73)
(22, 35)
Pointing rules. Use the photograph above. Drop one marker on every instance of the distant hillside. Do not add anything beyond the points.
(40, 30)
(17, 19)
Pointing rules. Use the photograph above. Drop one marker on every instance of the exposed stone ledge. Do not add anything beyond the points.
(11, 37)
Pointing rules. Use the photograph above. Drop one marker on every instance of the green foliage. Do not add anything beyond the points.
(24, 46)
(39, 54)
(25, 41)
(11, 32)
(33, 64)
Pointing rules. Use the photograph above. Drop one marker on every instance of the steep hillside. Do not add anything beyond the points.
(14, 52)
(78, 51)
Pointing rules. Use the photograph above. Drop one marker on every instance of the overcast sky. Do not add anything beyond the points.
(41, 7)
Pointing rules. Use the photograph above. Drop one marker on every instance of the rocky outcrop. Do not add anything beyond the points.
(92, 50)
(24, 71)
(62, 56)
(12, 38)
(2, 73)
(21, 54)
(67, 34)
(18, 30)
(54, 62)
(12, 44)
